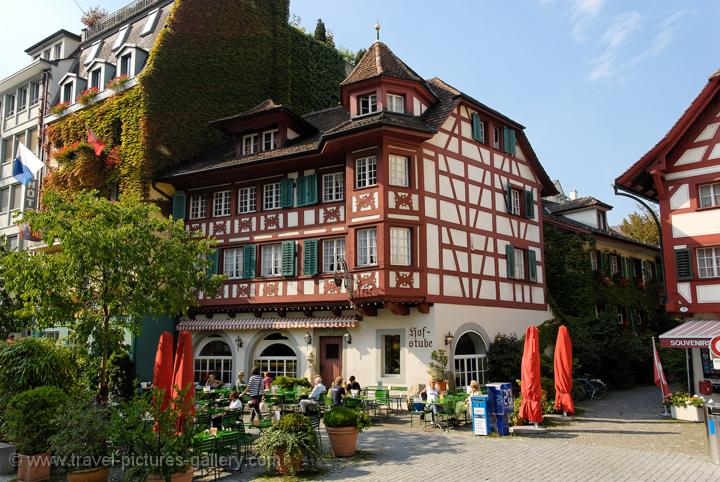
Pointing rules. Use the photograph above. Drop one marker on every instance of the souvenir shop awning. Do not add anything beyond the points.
(691, 334)
(252, 323)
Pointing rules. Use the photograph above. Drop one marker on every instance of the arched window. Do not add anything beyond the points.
(470, 359)
(215, 357)
(276, 357)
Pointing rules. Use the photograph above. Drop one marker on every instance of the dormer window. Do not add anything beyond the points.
(602, 220)
(121, 37)
(250, 144)
(396, 103)
(93, 52)
(367, 104)
(270, 140)
(150, 22)
(95, 77)
(67, 93)
(57, 50)
(126, 64)
(46, 54)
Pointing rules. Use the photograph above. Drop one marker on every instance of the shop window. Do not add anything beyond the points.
(214, 358)
(391, 355)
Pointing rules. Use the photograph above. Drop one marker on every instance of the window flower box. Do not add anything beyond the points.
(59, 108)
(87, 96)
(118, 83)
(688, 413)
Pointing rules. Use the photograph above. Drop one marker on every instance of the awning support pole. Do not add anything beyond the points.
(687, 367)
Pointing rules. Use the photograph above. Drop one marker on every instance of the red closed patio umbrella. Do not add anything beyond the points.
(163, 369)
(184, 375)
(563, 372)
(531, 407)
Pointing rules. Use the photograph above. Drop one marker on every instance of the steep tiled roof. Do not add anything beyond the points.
(265, 106)
(380, 60)
(579, 203)
(382, 118)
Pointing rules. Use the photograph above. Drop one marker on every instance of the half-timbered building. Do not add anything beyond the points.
(358, 239)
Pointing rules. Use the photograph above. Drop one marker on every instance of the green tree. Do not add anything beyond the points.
(320, 33)
(641, 226)
(9, 323)
(109, 265)
(360, 53)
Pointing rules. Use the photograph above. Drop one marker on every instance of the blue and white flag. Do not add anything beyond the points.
(26, 165)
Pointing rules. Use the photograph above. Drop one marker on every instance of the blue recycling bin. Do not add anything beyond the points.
(480, 415)
(502, 405)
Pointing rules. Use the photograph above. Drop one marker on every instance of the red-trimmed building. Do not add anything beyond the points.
(682, 174)
(429, 197)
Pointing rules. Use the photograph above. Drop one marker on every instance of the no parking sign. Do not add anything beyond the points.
(715, 352)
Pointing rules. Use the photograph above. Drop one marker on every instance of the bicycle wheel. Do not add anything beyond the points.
(600, 390)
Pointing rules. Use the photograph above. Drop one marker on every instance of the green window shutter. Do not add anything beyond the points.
(286, 192)
(532, 265)
(510, 263)
(213, 258)
(311, 189)
(310, 252)
(178, 205)
(476, 128)
(509, 140)
(288, 258)
(301, 192)
(508, 198)
(249, 261)
(529, 205)
(622, 267)
(683, 264)
(513, 147)
(600, 261)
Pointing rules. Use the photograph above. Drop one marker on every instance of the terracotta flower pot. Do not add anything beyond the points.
(293, 467)
(343, 440)
(178, 477)
(99, 474)
(33, 468)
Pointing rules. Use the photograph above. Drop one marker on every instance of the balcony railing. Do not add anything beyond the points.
(117, 17)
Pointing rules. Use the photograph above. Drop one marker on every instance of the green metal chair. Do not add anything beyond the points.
(382, 400)
(202, 421)
(228, 444)
(207, 447)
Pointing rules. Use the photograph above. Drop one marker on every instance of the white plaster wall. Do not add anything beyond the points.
(585, 216)
(695, 223)
(708, 293)
(680, 197)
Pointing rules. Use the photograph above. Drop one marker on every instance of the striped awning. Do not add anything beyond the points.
(253, 323)
(691, 334)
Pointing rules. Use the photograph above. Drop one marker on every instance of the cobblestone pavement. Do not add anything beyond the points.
(623, 437)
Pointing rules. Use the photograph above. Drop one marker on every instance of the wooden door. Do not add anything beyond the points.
(330, 358)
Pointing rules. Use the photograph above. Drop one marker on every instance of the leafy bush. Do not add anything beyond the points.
(289, 383)
(683, 399)
(82, 437)
(121, 376)
(437, 369)
(30, 418)
(347, 417)
(505, 357)
(294, 436)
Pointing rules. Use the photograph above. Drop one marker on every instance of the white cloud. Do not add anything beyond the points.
(582, 14)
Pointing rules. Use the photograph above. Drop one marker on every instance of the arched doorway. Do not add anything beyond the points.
(470, 359)
(275, 354)
(214, 356)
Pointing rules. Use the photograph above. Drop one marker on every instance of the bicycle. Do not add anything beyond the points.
(593, 388)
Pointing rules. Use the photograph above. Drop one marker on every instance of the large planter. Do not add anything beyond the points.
(293, 467)
(179, 477)
(343, 440)
(33, 468)
(99, 474)
(688, 413)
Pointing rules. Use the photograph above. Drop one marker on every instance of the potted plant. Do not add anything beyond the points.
(59, 108)
(684, 406)
(29, 423)
(81, 440)
(87, 95)
(118, 83)
(289, 442)
(343, 426)
(437, 369)
(160, 439)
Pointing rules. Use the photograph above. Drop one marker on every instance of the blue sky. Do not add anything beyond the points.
(595, 82)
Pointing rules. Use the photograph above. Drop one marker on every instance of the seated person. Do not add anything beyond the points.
(267, 381)
(352, 385)
(473, 391)
(314, 397)
(431, 392)
(337, 392)
(235, 402)
(213, 382)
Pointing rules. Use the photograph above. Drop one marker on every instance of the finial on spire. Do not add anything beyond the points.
(377, 29)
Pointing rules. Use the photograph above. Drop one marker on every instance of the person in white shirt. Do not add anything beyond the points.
(314, 398)
(432, 394)
(235, 402)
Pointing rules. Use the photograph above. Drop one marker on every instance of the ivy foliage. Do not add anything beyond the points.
(212, 59)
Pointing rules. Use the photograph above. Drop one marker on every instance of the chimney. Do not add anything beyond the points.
(573, 194)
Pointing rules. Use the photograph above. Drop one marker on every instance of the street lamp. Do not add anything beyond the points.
(343, 275)
(308, 338)
(347, 337)
(238, 341)
(449, 338)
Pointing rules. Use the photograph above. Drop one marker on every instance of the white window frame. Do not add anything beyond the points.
(708, 260)
(497, 138)
(233, 262)
(384, 354)
(99, 71)
(198, 207)
(333, 186)
(272, 138)
(22, 99)
(365, 172)
(712, 196)
(399, 170)
(614, 268)
(131, 64)
(515, 201)
(70, 100)
(400, 246)
(271, 259)
(250, 144)
(396, 103)
(593, 260)
(205, 362)
(333, 250)
(150, 22)
(367, 247)
(247, 200)
(221, 203)
(481, 134)
(470, 367)
(272, 364)
(10, 105)
(46, 54)
(34, 99)
(367, 104)
(519, 262)
(271, 196)
(57, 51)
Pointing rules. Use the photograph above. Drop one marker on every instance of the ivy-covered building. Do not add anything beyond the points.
(147, 79)
(593, 269)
